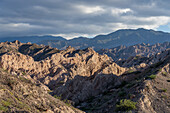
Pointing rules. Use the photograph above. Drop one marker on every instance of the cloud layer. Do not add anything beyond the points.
(72, 18)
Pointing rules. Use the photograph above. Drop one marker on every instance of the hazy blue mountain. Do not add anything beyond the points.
(125, 37)
(32, 39)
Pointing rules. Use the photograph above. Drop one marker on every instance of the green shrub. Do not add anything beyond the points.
(151, 77)
(23, 73)
(5, 70)
(5, 103)
(125, 105)
(164, 90)
(58, 97)
(23, 79)
(2, 108)
(130, 71)
(165, 73)
(61, 82)
(164, 96)
(67, 102)
(135, 58)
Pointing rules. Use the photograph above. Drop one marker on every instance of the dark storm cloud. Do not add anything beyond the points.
(80, 17)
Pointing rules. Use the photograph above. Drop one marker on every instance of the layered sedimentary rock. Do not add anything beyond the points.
(144, 50)
(60, 66)
(92, 82)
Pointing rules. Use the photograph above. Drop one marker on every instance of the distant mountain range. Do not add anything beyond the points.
(125, 37)
(32, 39)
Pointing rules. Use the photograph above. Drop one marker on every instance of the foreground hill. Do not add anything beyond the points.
(87, 80)
(125, 37)
(21, 95)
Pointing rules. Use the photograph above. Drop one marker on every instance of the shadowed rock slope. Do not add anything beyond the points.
(148, 87)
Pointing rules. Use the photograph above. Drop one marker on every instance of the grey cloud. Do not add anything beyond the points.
(63, 17)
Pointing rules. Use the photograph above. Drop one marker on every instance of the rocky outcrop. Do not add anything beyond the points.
(82, 88)
(88, 80)
(61, 70)
(58, 67)
(149, 88)
(156, 93)
(139, 62)
(18, 94)
(143, 50)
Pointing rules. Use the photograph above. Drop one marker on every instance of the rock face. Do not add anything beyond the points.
(143, 50)
(149, 88)
(142, 62)
(18, 94)
(59, 66)
(82, 88)
(90, 81)
(156, 93)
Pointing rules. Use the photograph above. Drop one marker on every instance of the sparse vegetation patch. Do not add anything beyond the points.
(125, 105)
(151, 77)
(2, 108)
(164, 90)
(165, 73)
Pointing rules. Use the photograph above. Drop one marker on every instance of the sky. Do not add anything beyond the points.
(73, 18)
